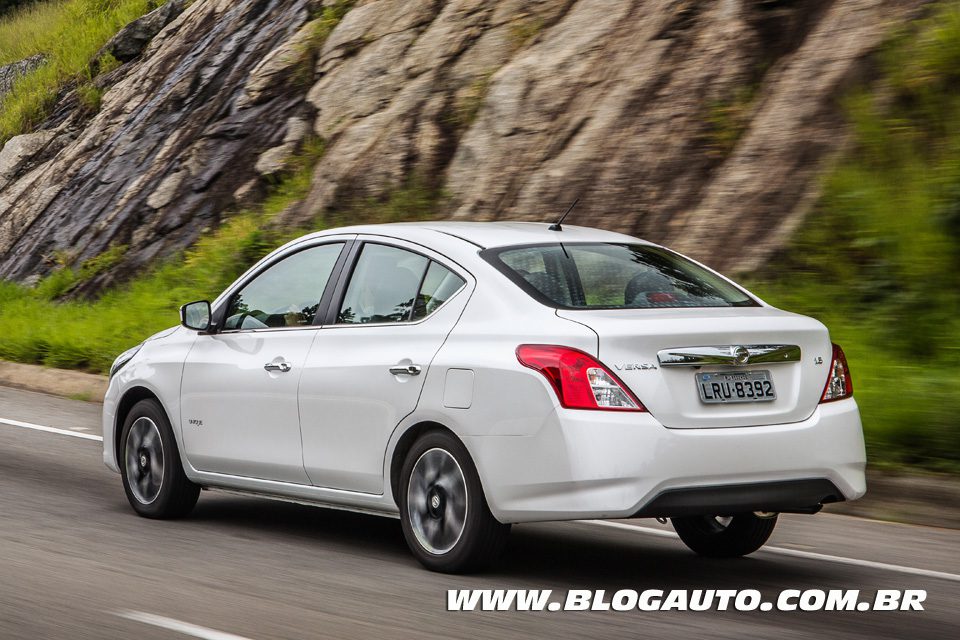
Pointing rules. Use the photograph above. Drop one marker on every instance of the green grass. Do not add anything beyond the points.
(524, 29)
(89, 97)
(88, 335)
(727, 120)
(879, 260)
(69, 33)
(467, 105)
(327, 19)
(323, 21)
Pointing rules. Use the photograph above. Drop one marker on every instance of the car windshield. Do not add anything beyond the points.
(614, 276)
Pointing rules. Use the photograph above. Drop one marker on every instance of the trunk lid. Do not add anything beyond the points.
(631, 339)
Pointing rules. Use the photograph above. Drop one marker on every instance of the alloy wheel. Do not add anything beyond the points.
(437, 501)
(144, 460)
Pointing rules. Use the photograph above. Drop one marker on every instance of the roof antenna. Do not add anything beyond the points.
(556, 225)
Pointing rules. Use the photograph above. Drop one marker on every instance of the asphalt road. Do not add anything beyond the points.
(74, 559)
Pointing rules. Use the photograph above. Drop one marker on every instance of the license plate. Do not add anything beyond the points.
(736, 386)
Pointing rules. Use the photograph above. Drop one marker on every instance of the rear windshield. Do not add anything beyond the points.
(613, 276)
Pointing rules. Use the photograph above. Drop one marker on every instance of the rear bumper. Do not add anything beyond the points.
(797, 496)
(591, 464)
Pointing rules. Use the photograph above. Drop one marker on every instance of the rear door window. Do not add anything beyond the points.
(614, 276)
(439, 285)
(390, 284)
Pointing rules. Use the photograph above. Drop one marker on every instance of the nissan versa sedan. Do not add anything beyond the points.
(467, 376)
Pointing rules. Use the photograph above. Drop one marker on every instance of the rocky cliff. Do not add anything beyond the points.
(703, 125)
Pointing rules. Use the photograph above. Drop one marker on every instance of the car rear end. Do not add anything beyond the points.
(698, 398)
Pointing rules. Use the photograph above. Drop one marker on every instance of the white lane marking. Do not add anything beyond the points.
(179, 626)
(40, 427)
(629, 527)
(796, 553)
(870, 564)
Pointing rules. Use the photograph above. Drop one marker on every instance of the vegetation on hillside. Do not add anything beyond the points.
(879, 261)
(69, 33)
(39, 327)
(10, 5)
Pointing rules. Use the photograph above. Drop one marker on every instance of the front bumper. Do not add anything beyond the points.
(108, 419)
(592, 464)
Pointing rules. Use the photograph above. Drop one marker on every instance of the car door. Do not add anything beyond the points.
(367, 365)
(239, 388)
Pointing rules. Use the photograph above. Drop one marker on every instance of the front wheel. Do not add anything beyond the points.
(153, 477)
(724, 536)
(443, 512)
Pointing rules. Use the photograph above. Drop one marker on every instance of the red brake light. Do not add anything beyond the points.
(661, 298)
(579, 380)
(839, 383)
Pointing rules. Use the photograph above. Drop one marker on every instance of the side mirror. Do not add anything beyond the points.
(196, 315)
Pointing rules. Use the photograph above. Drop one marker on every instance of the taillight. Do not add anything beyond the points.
(579, 380)
(839, 383)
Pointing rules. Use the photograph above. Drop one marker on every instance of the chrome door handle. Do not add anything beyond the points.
(409, 370)
(282, 367)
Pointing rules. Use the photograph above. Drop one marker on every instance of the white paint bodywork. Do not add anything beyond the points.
(326, 431)
(250, 418)
(350, 404)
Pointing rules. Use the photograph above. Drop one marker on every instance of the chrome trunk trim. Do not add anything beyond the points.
(729, 355)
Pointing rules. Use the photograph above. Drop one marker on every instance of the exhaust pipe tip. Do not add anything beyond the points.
(766, 515)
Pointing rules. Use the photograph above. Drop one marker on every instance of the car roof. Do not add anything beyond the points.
(488, 234)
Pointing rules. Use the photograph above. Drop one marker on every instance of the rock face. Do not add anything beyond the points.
(133, 38)
(162, 158)
(10, 72)
(18, 151)
(616, 103)
(703, 125)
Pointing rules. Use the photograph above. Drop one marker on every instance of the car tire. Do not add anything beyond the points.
(439, 489)
(153, 477)
(724, 537)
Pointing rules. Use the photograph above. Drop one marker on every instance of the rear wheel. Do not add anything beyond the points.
(724, 536)
(443, 512)
(153, 477)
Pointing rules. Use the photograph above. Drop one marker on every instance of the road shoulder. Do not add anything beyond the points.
(908, 497)
(76, 385)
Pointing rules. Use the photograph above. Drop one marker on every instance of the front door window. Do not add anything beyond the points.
(286, 294)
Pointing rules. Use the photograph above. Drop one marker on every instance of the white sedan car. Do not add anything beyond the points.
(466, 376)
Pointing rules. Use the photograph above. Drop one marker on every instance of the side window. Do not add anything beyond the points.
(287, 294)
(439, 284)
(383, 287)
